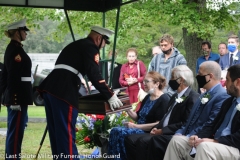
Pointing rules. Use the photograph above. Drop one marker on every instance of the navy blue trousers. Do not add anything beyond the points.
(16, 121)
(61, 122)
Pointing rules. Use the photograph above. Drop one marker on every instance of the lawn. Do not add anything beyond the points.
(33, 111)
(32, 137)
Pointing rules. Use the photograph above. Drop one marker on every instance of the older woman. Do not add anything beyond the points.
(16, 86)
(152, 110)
(129, 74)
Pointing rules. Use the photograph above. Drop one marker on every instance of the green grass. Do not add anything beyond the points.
(33, 111)
(32, 137)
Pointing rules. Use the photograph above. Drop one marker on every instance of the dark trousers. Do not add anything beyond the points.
(146, 146)
(15, 132)
(61, 121)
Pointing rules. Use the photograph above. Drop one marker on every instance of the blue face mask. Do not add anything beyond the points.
(232, 47)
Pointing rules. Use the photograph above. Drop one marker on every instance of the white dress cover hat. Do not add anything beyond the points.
(18, 25)
(103, 31)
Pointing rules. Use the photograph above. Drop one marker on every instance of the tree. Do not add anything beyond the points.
(199, 19)
(142, 23)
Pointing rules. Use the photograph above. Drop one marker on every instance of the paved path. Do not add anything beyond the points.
(3, 131)
(30, 119)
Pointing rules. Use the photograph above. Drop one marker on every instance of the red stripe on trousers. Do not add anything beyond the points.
(69, 130)
(16, 133)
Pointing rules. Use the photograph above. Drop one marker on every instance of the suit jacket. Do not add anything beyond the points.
(225, 62)
(208, 112)
(116, 74)
(179, 113)
(230, 140)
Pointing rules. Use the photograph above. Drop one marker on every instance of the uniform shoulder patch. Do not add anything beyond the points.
(96, 58)
(18, 58)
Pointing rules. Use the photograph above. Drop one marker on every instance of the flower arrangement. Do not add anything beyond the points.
(91, 127)
(180, 99)
(205, 98)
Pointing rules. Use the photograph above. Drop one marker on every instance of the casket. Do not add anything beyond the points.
(96, 104)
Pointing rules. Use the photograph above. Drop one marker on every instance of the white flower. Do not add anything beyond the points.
(238, 107)
(235, 58)
(179, 100)
(112, 117)
(204, 100)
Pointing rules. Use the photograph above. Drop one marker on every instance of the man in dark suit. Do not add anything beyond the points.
(179, 108)
(204, 110)
(233, 56)
(221, 139)
(116, 71)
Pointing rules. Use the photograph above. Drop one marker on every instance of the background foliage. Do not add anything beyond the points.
(141, 25)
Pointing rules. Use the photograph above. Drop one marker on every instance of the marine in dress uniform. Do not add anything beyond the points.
(16, 87)
(60, 89)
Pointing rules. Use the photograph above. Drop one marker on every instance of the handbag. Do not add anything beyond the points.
(141, 92)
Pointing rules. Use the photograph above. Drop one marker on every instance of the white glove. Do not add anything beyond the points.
(16, 107)
(114, 102)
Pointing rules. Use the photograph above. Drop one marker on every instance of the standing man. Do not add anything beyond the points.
(167, 59)
(116, 71)
(222, 49)
(16, 87)
(60, 89)
(208, 55)
(233, 57)
(221, 139)
(203, 112)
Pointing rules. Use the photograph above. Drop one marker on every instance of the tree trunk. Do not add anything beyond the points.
(193, 47)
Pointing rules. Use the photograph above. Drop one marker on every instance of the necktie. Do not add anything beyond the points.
(162, 122)
(226, 120)
(231, 59)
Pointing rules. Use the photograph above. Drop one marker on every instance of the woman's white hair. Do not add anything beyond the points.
(184, 72)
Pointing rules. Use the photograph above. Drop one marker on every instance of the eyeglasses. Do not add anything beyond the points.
(146, 81)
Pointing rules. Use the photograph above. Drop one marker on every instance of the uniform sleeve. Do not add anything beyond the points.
(14, 63)
(91, 64)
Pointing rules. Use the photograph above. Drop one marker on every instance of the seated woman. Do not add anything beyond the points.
(152, 110)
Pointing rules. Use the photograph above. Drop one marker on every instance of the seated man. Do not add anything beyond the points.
(225, 144)
(202, 114)
(179, 108)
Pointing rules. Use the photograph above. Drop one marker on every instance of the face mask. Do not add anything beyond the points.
(173, 84)
(151, 91)
(205, 53)
(167, 51)
(232, 47)
(201, 80)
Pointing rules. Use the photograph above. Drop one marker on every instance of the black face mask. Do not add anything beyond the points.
(174, 84)
(201, 80)
(167, 51)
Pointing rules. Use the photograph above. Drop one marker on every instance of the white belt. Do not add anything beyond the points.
(64, 66)
(28, 79)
